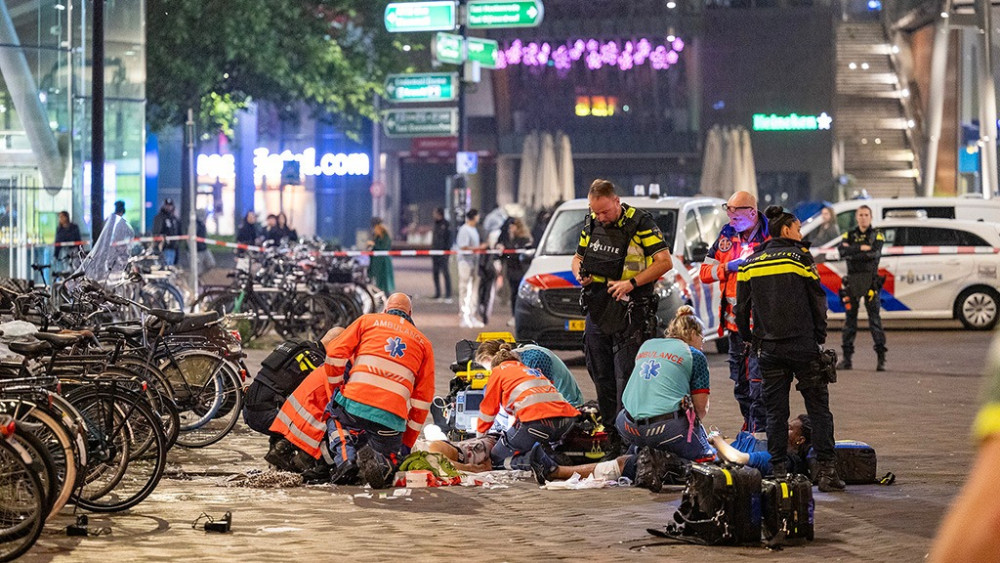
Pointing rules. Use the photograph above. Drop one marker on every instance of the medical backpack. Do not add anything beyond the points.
(787, 509)
(279, 375)
(721, 505)
(856, 462)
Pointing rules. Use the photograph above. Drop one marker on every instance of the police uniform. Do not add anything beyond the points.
(616, 329)
(743, 370)
(862, 282)
(779, 288)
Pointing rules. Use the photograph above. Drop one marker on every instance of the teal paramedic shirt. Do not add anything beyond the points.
(666, 370)
(554, 369)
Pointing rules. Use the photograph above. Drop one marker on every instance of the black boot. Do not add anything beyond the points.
(880, 366)
(828, 479)
(845, 363)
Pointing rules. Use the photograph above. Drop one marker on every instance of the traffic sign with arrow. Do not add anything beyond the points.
(438, 15)
(427, 122)
(497, 14)
(447, 48)
(427, 87)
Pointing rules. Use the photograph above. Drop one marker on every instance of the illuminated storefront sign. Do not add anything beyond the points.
(596, 106)
(791, 122)
(270, 165)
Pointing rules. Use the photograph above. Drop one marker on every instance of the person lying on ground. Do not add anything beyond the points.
(545, 361)
(472, 455)
(748, 450)
(541, 416)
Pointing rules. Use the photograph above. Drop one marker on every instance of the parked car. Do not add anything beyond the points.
(934, 269)
(971, 208)
(548, 306)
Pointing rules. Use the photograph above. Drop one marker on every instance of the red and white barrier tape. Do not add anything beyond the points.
(924, 250)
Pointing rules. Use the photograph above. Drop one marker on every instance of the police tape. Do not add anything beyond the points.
(333, 253)
(45, 244)
(919, 250)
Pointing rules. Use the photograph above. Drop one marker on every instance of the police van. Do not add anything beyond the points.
(969, 208)
(933, 268)
(548, 304)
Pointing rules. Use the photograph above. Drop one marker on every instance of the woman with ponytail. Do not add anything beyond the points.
(668, 392)
(539, 412)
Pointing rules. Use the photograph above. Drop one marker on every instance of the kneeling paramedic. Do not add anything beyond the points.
(779, 286)
(620, 257)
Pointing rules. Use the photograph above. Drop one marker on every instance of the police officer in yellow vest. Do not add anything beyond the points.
(620, 256)
(861, 247)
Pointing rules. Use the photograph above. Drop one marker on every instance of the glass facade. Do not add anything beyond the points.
(45, 119)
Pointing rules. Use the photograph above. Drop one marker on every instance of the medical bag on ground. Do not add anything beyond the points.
(280, 373)
(787, 509)
(856, 462)
(720, 506)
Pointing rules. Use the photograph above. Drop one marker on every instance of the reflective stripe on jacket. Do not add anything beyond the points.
(522, 391)
(728, 247)
(301, 419)
(392, 368)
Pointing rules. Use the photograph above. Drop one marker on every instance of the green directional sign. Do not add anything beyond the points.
(427, 122)
(495, 14)
(420, 16)
(429, 87)
(447, 48)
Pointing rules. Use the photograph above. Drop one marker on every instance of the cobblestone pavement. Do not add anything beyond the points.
(917, 416)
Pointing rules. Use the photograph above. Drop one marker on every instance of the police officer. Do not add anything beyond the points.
(620, 256)
(778, 285)
(746, 230)
(862, 248)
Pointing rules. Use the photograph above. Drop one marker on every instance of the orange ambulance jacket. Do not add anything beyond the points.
(524, 393)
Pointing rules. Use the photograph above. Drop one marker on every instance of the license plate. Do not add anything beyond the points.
(576, 325)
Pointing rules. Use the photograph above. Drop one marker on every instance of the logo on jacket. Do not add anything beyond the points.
(535, 372)
(725, 244)
(649, 369)
(598, 246)
(395, 346)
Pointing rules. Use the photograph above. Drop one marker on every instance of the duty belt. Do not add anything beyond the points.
(657, 418)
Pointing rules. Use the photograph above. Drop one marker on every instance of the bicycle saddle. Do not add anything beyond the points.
(31, 349)
(167, 316)
(128, 331)
(61, 340)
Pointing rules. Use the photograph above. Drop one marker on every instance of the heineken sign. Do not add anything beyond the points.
(421, 16)
(791, 122)
(428, 122)
(495, 14)
(447, 48)
(429, 87)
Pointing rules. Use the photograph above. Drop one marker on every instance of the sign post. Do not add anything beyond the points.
(447, 48)
(438, 15)
(427, 87)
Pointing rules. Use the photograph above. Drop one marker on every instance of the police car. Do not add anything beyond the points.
(548, 305)
(933, 268)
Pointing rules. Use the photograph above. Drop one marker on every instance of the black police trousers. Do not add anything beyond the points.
(610, 360)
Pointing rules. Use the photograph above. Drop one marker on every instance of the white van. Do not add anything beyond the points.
(548, 305)
(964, 208)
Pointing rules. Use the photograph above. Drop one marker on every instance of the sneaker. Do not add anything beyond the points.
(648, 470)
(541, 464)
(346, 474)
(280, 455)
(374, 469)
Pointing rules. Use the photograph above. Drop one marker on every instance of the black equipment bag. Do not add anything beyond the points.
(856, 462)
(787, 507)
(280, 373)
(720, 506)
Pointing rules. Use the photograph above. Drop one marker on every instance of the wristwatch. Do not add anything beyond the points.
(634, 284)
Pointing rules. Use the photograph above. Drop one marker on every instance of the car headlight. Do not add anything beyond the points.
(529, 294)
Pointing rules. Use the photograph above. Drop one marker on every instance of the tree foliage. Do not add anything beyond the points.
(218, 55)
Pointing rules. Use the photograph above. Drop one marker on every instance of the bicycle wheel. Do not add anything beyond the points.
(22, 503)
(170, 296)
(306, 316)
(225, 416)
(197, 389)
(161, 404)
(42, 463)
(118, 423)
(225, 302)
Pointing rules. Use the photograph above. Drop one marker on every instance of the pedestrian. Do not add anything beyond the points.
(166, 224)
(380, 267)
(287, 232)
(781, 308)
(541, 221)
(861, 247)
(468, 240)
(620, 256)
(541, 416)
(272, 233)
(745, 232)
(441, 240)
(66, 232)
(828, 229)
(514, 236)
(247, 233)
(120, 208)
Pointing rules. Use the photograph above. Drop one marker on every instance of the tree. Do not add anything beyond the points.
(218, 55)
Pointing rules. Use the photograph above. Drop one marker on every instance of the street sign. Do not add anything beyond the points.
(466, 162)
(447, 48)
(427, 87)
(420, 16)
(496, 14)
(427, 122)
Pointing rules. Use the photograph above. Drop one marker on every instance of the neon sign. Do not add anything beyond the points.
(592, 53)
(791, 122)
(270, 164)
(596, 106)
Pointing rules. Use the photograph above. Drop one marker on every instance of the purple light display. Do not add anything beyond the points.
(593, 53)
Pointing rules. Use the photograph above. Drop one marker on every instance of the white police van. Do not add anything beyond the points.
(548, 305)
(934, 268)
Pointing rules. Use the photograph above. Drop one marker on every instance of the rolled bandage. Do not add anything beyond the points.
(607, 471)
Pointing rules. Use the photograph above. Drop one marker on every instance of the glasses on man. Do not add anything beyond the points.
(734, 209)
